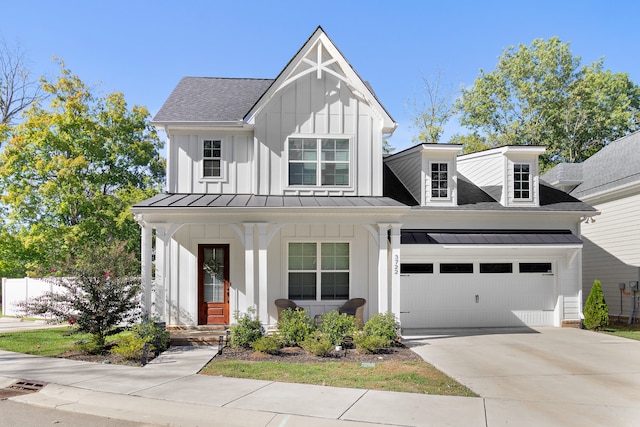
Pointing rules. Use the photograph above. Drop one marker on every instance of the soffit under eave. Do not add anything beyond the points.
(309, 60)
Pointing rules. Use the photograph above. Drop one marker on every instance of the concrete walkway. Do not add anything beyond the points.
(526, 377)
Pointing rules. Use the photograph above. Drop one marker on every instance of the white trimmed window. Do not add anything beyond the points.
(522, 181)
(212, 158)
(318, 271)
(319, 161)
(439, 180)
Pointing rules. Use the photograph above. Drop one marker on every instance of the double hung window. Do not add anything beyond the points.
(212, 158)
(318, 271)
(318, 161)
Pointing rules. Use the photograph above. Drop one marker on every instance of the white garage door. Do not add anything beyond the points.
(477, 294)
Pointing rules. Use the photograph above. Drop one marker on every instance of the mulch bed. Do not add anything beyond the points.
(398, 353)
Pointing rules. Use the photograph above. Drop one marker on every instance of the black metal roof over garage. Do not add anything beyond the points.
(488, 237)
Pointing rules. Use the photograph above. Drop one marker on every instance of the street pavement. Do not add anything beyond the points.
(525, 377)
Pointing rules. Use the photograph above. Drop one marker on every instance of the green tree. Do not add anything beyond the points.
(100, 291)
(541, 95)
(432, 112)
(596, 312)
(70, 172)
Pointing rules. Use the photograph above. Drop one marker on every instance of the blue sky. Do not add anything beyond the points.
(142, 48)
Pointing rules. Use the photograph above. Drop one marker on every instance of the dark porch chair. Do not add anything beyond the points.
(283, 304)
(354, 307)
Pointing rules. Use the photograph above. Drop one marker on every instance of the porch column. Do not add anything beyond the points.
(383, 271)
(249, 272)
(263, 305)
(145, 261)
(162, 273)
(395, 270)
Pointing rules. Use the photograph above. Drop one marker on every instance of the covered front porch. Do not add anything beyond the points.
(261, 263)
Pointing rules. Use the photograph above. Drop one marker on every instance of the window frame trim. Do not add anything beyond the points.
(319, 162)
(223, 160)
(430, 189)
(318, 270)
(530, 181)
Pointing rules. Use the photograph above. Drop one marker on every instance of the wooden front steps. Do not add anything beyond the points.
(197, 335)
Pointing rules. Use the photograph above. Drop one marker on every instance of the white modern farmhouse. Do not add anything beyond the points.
(279, 189)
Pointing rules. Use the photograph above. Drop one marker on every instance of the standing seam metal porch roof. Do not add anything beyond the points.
(250, 200)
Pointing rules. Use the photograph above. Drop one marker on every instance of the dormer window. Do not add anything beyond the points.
(212, 158)
(522, 181)
(439, 180)
(319, 161)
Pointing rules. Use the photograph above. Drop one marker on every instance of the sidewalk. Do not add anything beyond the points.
(168, 391)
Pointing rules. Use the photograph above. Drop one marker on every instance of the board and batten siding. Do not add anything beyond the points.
(311, 107)
(185, 164)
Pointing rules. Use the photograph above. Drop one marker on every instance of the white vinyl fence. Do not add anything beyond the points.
(15, 291)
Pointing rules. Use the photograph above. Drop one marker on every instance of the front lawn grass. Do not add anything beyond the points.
(623, 330)
(43, 342)
(409, 377)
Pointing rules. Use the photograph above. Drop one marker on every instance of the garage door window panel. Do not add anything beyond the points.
(456, 268)
(416, 268)
(535, 267)
(496, 268)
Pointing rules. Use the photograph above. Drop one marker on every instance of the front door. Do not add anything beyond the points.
(213, 284)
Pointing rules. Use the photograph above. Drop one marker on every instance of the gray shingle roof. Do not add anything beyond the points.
(615, 165)
(211, 99)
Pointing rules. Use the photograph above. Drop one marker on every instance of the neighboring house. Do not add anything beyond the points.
(610, 182)
(279, 189)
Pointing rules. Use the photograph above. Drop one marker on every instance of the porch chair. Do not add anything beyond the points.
(354, 307)
(283, 304)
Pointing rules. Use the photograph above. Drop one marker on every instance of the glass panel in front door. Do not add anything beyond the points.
(213, 267)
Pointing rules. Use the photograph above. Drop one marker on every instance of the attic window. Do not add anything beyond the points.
(439, 180)
(521, 181)
(212, 158)
(319, 161)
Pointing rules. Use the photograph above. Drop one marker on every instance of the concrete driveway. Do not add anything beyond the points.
(14, 324)
(541, 376)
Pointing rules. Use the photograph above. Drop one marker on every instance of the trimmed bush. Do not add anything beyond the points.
(336, 326)
(269, 344)
(130, 346)
(246, 330)
(596, 312)
(318, 343)
(383, 325)
(294, 327)
(370, 343)
(153, 333)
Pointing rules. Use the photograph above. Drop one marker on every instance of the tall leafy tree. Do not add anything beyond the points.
(70, 172)
(542, 95)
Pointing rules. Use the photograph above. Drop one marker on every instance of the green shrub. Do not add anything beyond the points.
(596, 312)
(370, 343)
(318, 343)
(246, 330)
(336, 326)
(153, 333)
(294, 326)
(90, 346)
(270, 344)
(383, 325)
(129, 346)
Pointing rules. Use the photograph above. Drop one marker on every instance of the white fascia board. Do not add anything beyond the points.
(206, 126)
(442, 148)
(612, 194)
